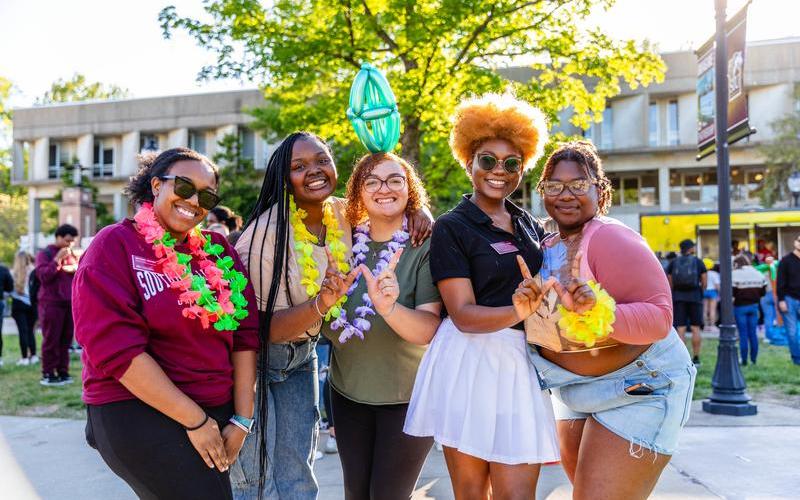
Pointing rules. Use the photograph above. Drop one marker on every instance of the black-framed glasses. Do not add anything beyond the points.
(185, 188)
(577, 187)
(373, 184)
(511, 164)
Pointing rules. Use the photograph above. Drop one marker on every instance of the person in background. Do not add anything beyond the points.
(219, 228)
(324, 356)
(687, 278)
(774, 331)
(21, 310)
(788, 285)
(225, 216)
(749, 286)
(710, 295)
(6, 286)
(55, 268)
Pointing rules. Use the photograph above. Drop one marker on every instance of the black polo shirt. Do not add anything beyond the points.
(465, 244)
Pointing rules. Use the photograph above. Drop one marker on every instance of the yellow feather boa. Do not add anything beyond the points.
(593, 325)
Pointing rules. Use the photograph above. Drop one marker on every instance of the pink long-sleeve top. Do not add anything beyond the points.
(619, 259)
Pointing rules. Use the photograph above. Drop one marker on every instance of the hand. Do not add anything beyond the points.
(420, 226)
(575, 294)
(529, 295)
(62, 253)
(383, 289)
(335, 285)
(783, 307)
(208, 443)
(233, 438)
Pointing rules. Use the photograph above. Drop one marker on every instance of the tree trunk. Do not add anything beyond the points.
(410, 141)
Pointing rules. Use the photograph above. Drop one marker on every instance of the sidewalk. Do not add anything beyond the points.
(720, 457)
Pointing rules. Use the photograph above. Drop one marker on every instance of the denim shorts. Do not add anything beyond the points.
(711, 294)
(651, 421)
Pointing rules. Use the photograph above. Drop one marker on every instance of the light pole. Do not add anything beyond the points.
(794, 186)
(728, 396)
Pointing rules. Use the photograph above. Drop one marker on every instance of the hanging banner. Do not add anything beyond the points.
(738, 126)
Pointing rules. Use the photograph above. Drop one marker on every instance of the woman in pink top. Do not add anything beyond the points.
(620, 405)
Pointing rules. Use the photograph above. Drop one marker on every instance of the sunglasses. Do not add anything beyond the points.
(394, 183)
(512, 164)
(577, 187)
(184, 188)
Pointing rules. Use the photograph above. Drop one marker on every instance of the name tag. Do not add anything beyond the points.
(504, 247)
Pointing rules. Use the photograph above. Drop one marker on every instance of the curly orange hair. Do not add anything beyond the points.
(355, 212)
(497, 116)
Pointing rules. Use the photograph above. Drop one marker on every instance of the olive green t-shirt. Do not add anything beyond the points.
(381, 368)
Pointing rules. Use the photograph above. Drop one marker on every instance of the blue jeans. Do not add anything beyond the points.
(776, 335)
(790, 319)
(747, 323)
(292, 429)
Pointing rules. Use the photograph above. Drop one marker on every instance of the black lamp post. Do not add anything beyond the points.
(728, 396)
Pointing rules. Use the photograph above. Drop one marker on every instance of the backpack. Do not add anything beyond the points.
(684, 273)
(34, 284)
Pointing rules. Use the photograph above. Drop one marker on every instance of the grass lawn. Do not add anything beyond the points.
(21, 394)
(774, 378)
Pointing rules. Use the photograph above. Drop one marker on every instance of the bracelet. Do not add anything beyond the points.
(316, 306)
(190, 429)
(239, 425)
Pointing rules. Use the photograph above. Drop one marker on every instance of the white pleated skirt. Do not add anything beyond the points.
(479, 393)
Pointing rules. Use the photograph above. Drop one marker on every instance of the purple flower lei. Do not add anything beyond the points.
(360, 248)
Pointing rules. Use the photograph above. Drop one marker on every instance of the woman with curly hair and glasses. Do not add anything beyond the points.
(620, 401)
(476, 391)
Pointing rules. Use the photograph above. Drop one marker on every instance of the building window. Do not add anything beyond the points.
(673, 136)
(197, 141)
(247, 144)
(148, 142)
(652, 123)
(635, 189)
(58, 157)
(103, 162)
(607, 129)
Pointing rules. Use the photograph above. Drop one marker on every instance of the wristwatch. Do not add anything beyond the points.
(244, 423)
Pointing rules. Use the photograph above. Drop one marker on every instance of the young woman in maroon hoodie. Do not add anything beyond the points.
(168, 325)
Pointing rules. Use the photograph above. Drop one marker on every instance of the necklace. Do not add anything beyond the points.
(215, 297)
(304, 250)
(360, 249)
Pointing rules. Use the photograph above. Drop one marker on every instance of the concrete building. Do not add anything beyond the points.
(105, 136)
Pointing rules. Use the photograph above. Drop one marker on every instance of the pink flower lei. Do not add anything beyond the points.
(214, 299)
(360, 248)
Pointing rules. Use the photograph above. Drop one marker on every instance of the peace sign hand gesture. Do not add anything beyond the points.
(383, 289)
(575, 294)
(529, 294)
(335, 284)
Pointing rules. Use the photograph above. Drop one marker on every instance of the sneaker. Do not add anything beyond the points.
(318, 455)
(24, 362)
(330, 445)
(51, 381)
(34, 359)
(65, 379)
(1, 362)
(696, 361)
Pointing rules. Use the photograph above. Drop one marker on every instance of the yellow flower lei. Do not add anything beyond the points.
(592, 326)
(304, 247)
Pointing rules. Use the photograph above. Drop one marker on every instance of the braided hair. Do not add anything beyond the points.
(274, 199)
(584, 154)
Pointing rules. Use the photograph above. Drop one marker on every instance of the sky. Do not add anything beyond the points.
(120, 42)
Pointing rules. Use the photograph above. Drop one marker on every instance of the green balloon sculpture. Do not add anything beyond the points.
(373, 110)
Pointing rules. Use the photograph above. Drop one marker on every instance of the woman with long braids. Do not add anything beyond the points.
(623, 397)
(296, 246)
(168, 326)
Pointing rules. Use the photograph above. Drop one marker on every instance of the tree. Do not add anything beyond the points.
(79, 89)
(304, 54)
(782, 156)
(13, 199)
(240, 181)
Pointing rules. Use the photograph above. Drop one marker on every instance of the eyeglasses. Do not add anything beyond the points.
(184, 188)
(512, 164)
(394, 183)
(577, 187)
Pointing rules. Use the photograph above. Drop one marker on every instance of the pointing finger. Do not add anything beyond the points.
(523, 267)
(331, 262)
(576, 265)
(395, 259)
(368, 276)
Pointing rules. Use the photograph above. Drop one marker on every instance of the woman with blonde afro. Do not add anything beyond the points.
(476, 392)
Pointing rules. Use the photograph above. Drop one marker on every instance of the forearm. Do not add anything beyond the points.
(244, 382)
(414, 326)
(471, 318)
(147, 381)
(293, 322)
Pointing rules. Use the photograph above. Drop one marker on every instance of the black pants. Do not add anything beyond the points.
(379, 461)
(152, 452)
(25, 317)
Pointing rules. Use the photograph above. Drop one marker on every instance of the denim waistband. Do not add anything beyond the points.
(286, 357)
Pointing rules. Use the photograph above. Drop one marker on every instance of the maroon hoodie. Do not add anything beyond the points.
(123, 307)
(56, 285)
